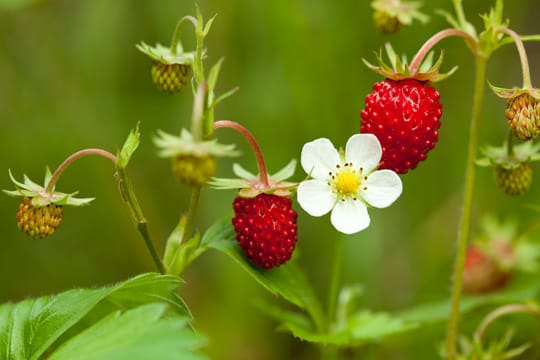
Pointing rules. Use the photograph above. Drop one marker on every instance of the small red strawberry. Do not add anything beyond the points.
(482, 273)
(404, 115)
(265, 227)
(264, 221)
(404, 112)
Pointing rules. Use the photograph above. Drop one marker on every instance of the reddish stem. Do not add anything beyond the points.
(432, 41)
(263, 172)
(72, 158)
(522, 57)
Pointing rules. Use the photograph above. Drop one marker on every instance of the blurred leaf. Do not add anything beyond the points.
(361, 327)
(16, 4)
(30, 328)
(287, 281)
(145, 332)
(439, 311)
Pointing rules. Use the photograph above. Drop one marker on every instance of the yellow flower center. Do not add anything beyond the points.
(347, 183)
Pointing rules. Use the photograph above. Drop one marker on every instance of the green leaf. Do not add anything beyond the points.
(439, 311)
(287, 281)
(214, 73)
(131, 144)
(145, 332)
(32, 327)
(361, 327)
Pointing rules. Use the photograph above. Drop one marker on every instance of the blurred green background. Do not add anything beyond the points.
(71, 78)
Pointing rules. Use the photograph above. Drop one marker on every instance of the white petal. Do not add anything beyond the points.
(383, 188)
(319, 157)
(363, 150)
(350, 216)
(315, 197)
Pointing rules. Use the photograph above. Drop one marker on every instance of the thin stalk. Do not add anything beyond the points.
(263, 172)
(432, 41)
(464, 225)
(198, 111)
(335, 280)
(510, 144)
(70, 159)
(522, 57)
(502, 311)
(190, 217)
(331, 352)
(128, 195)
(178, 32)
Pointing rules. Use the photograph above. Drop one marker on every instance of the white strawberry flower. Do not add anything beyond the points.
(346, 183)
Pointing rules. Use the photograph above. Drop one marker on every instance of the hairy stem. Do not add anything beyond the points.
(128, 195)
(56, 175)
(464, 224)
(263, 172)
(432, 41)
(522, 57)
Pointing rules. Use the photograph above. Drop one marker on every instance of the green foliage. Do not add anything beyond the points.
(137, 317)
(287, 281)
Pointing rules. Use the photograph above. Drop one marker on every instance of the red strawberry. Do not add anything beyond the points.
(482, 273)
(265, 227)
(404, 115)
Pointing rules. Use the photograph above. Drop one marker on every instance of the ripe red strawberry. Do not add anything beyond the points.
(265, 227)
(404, 115)
(482, 273)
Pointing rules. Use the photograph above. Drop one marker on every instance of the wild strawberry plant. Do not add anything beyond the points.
(145, 318)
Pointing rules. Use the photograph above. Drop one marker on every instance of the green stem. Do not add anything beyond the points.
(190, 217)
(178, 32)
(510, 144)
(522, 57)
(335, 280)
(128, 195)
(464, 225)
(70, 159)
(331, 352)
(198, 111)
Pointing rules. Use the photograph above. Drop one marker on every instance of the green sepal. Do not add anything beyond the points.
(250, 185)
(40, 197)
(507, 93)
(525, 152)
(164, 55)
(129, 147)
(172, 145)
(399, 68)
